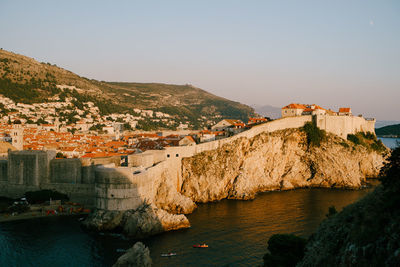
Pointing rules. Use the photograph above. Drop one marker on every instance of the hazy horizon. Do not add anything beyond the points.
(257, 53)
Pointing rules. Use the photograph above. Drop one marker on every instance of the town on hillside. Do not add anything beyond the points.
(116, 136)
(83, 132)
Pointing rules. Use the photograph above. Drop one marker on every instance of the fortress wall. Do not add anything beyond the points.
(141, 160)
(279, 124)
(101, 161)
(28, 167)
(79, 193)
(3, 170)
(180, 151)
(344, 125)
(147, 158)
(65, 171)
(88, 174)
(370, 125)
(89, 166)
(115, 189)
(120, 189)
(159, 155)
(15, 190)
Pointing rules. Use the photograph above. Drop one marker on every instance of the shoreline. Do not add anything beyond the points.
(25, 217)
(36, 214)
(46, 211)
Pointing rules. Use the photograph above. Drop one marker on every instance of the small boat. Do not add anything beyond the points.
(200, 246)
(168, 254)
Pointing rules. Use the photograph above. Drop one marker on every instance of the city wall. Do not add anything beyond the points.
(102, 183)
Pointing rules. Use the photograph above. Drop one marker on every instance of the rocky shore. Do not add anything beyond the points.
(366, 233)
(280, 160)
(136, 256)
(142, 222)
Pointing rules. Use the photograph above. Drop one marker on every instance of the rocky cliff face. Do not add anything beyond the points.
(144, 221)
(280, 160)
(366, 233)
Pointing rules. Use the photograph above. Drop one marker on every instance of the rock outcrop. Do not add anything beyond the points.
(366, 233)
(136, 256)
(144, 221)
(279, 160)
(168, 198)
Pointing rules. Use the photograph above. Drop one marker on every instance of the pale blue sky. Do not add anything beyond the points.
(332, 53)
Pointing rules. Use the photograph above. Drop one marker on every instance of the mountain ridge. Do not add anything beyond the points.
(25, 80)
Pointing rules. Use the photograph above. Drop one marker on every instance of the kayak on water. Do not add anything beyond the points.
(168, 254)
(200, 246)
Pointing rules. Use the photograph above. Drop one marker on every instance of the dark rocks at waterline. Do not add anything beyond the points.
(284, 250)
(366, 233)
(136, 256)
(142, 222)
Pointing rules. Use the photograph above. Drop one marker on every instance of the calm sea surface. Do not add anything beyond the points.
(236, 232)
(390, 142)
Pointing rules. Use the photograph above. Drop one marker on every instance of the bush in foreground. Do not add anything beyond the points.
(285, 250)
(365, 233)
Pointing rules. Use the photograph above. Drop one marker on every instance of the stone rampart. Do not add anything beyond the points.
(344, 125)
(66, 171)
(119, 188)
(3, 170)
(29, 167)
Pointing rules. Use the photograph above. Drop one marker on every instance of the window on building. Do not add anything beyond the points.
(177, 155)
(167, 155)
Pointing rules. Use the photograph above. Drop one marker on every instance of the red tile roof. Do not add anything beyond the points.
(344, 109)
(295, 106)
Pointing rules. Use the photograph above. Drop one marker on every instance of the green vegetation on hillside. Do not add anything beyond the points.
(367, 140)
(25, 80)
(390, 130)
(148, 125)
(314, 135)
(365, 233)
(31, 91)
(285, 250)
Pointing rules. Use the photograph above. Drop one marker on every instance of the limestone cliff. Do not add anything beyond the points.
(167, 196)
(139, 223)
(279, 160)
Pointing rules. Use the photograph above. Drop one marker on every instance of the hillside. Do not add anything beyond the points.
(390, 130)
(25, 80)
(366, 233)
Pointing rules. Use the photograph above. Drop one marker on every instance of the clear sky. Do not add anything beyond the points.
(332, 53)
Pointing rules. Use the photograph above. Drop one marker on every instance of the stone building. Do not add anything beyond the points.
(17, 136)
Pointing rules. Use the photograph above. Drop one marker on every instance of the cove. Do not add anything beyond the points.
(236, 231)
